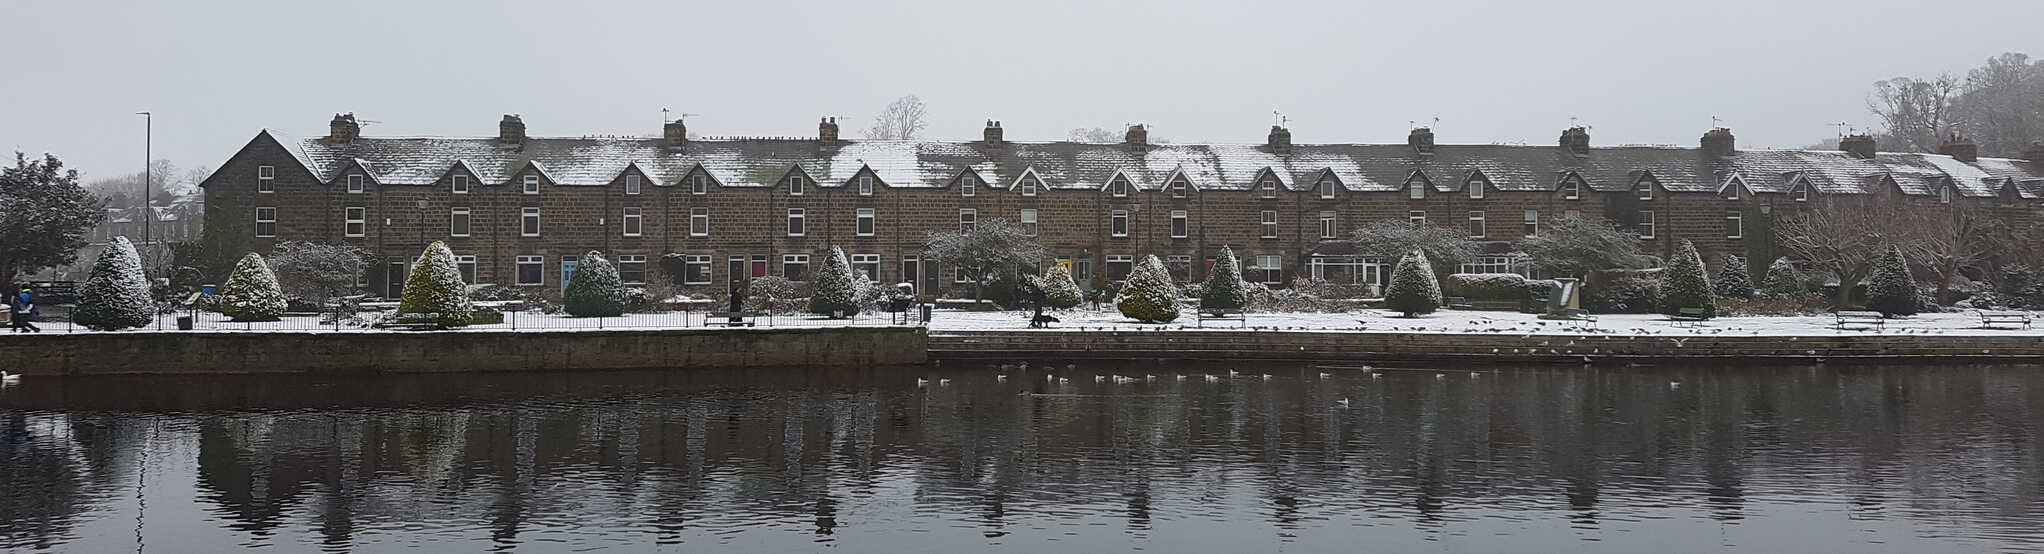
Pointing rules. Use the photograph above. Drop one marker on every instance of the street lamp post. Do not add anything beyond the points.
(148, 142)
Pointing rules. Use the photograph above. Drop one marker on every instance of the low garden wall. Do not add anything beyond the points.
(458, 351)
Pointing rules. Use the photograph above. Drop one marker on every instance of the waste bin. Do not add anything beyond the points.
(206, 289)
(926, 314)
(184, 323)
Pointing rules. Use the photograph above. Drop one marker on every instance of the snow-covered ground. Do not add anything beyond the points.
(1370, 321)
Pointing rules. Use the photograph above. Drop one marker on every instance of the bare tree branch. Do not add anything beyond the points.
(900, 120)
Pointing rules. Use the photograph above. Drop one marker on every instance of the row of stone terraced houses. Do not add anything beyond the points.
(521, 210)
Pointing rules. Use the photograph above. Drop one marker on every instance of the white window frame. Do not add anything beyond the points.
(1328, 224)
(1272, 268)
(1646, 189)
(538, 264)
(968, 186)
(356, 183)
(631, 259)
(865, 185)
(795, 259)
(633, 184)
(1944, 194)
(462, 216)
(1476, 189)
(1735, 224)
(872, 260)
(688, 273)
(1416, 217)
(260, 221)
(1732, 190)
(1117, 223)
(1267, 224)
(1573, 189)
(1416, 190)
(354, 221)
(1028, 219)
(1118, 187)
(1801, 192)
(1029, 186)
(469, 262)
(699, 184)
(1112, 259)
(1181, 226)
(1178, 187)
(968, 219)
(528, 214)
(1326, 189)
(634, 222)
(1646, 227)
(698, 222)
(1487, 264)
(457, 184)
(1532, 222)
(531, 184)
(266, 178)
(795, 184)
(798, 222)
(1476, 224)
(1268, 187)
(865, 222)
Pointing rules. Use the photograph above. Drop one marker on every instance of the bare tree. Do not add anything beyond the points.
(1916, 112)
(900, 120)
(1947, 241)
(1094, 135)
(2002, 107)
(990, 248)
(1842, 234)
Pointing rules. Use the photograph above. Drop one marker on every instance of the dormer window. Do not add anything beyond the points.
(1178, 187)
(1945, 194)
(1268, 186)
(1732, 190)
(1476, 189)
(1326, 189)
(1029, 186)
(632, 184)
(866, 185)
(700, 184)
(532, 184)
(458, 184)
(1119, 187)
(1417, 189)
(1571, 189)
(967, 186)
(1646, 190)
(794, 185)
(354, 183)
(1801, 192)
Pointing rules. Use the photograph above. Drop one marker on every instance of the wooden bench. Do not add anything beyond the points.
(1457, 303)
(1871, 320)
(730, 319)
(1235, 314)
(1579, 314)
(1990, 319)
(1692, 316)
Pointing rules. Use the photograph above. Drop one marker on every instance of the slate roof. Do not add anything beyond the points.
(1074, 166)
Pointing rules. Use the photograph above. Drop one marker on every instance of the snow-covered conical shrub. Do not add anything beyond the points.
(1685, 285)
(1059, 290)
(1734, 281)
(116, 295)
(1148, 295)
(1224, 287)
(1890, 289)
(1413, 289)
(435, 287)
(836, 290)
(1782, 280)
(251, 292)
(595, 289)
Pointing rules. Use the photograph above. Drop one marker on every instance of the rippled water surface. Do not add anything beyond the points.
(1664, 459)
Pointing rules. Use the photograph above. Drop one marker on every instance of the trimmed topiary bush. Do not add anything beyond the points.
(1224, 289)
(1148, 295)
(1782, 280)
(116, 295)
(1686, 285)
(1890, 289)
(251, 292)
(1485, 286)
(435, 287)
(595, 289)
(1413, 290)
(1734, 281)
(836, 291)
(1059, 290)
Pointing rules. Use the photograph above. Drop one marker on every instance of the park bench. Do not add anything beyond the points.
(730, 319)
(1691, 316)
(415, 322)
(1990, 319)
(1222, 314)
(1458, 303)
(1872, 320)
(1496, 305)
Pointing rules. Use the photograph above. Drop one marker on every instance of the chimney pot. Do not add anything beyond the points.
(1280, 140)
(1421, 139)
(343, 128)
(826, 131)
(674, 134)
(511, 130)
(1137, 138)
(1859, 146)
(1576, 140)
(1719, 142)
(1960, 148)
(992, 133)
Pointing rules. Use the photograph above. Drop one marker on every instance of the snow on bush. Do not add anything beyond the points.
(1413, 290)
(251, 292)
(1890, 289)
(1485, 286)
(1734, 281)
(1782, 280)
(1637, 294)
(1686, 285)
(1148, 295)
(773, 294)
(837, 290)
(116, 295)
(1059, 290)
(435, 287)
(595, 289)
(1224, 289)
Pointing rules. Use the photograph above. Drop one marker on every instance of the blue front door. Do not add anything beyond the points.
(567, 271)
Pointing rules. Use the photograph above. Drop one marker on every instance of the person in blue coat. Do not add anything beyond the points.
(22, 311)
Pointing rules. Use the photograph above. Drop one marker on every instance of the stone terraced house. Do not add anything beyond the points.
(520, 210)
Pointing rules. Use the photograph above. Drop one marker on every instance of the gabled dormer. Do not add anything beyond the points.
(796, 181)
(1478, 185)
(1944, 189)
(355, 177)
(865, 181)
(459, 178)
(1178, 185)
(1734, 188)
(698, 180)
(1570, 185)
(1267, 183)
(2008, 192)
(1029, 183)
(1327, 185)
(1416, 184)
(1645, 186)
(1800, 189)
(1118, 185)
(634, 179)
(967, 182)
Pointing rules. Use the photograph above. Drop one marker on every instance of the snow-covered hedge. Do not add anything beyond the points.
(1485, 286)
(1734, 280)
(251, 292)
(435, 288)
(1686, 285)
(1782, 280)
(595, 289)
(1637, 294)
(116, 295)
(1148, 295)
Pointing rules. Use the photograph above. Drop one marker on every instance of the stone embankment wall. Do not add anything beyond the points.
(416, 352)
(1364, 347)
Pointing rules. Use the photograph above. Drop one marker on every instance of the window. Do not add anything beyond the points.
(794, 266)
(631, 270)
(1571, 189)
(1646, 190)
(1732, 190)
(1735, 225)
(362, 279)
(532, 184)
(698, 222)
(968, 218)
(797, 222)
(1268, 186)
(1178, 188)
(1119, 266)
(1117, 223)
(635, 220)
(1327, 227)
(354, 183)
(1944, 195)
(967, 185)
(1487, 264)
(699, 184)
(695, 269)
(865, 222)
(1178, 226)
(1029, 222)
(1476, 225)
(355, 222)
(1532, 223)
(865, 185)
(529, 271)
(794, 185)
(458, 184)
(1270, 268)
(466, 265)
(1476, 189)
(1119, 187)
(866, 266)
(1646, 224)
(1416, 217)
(1326, 189)
(1269, 224)
(1416, 189)
(265, 222)
(1180, 266)
(266, 178)
(958, 275)
(1801, 192)
(632, 184)
(458, 222)
(1029, 186)
(528, 222)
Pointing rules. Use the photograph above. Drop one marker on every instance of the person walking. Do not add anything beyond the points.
(22, 311)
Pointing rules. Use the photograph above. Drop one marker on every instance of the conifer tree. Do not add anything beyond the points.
(1224, 287)
(1890, 288)
(1686, 285)
(595, 289)
(1782, 280)
(1059, 290)
(251, 292)
(836, 289)
(1413, 289)
(435, 287)
(116, 295)
(1148, 295)
(1734, 281)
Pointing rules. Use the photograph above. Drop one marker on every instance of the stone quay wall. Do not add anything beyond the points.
(1475, 348)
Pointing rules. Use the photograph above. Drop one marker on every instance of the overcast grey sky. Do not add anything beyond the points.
(215, 72)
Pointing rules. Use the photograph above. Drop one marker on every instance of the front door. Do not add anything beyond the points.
(911, 268)
(567, 270)
(736, 270)
(395, 278)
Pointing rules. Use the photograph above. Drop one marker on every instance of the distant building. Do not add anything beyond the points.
(181, 220)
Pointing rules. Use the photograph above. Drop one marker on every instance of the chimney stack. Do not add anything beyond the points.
(1421, 140)
(1719, 142)
(826, 131)
(1960, 148)
(511, 130)
(992, 133)
(343, 128)
(1858, 146)
(1280, 140)
(674, 134)
(1138, 138)
(1576, 140)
